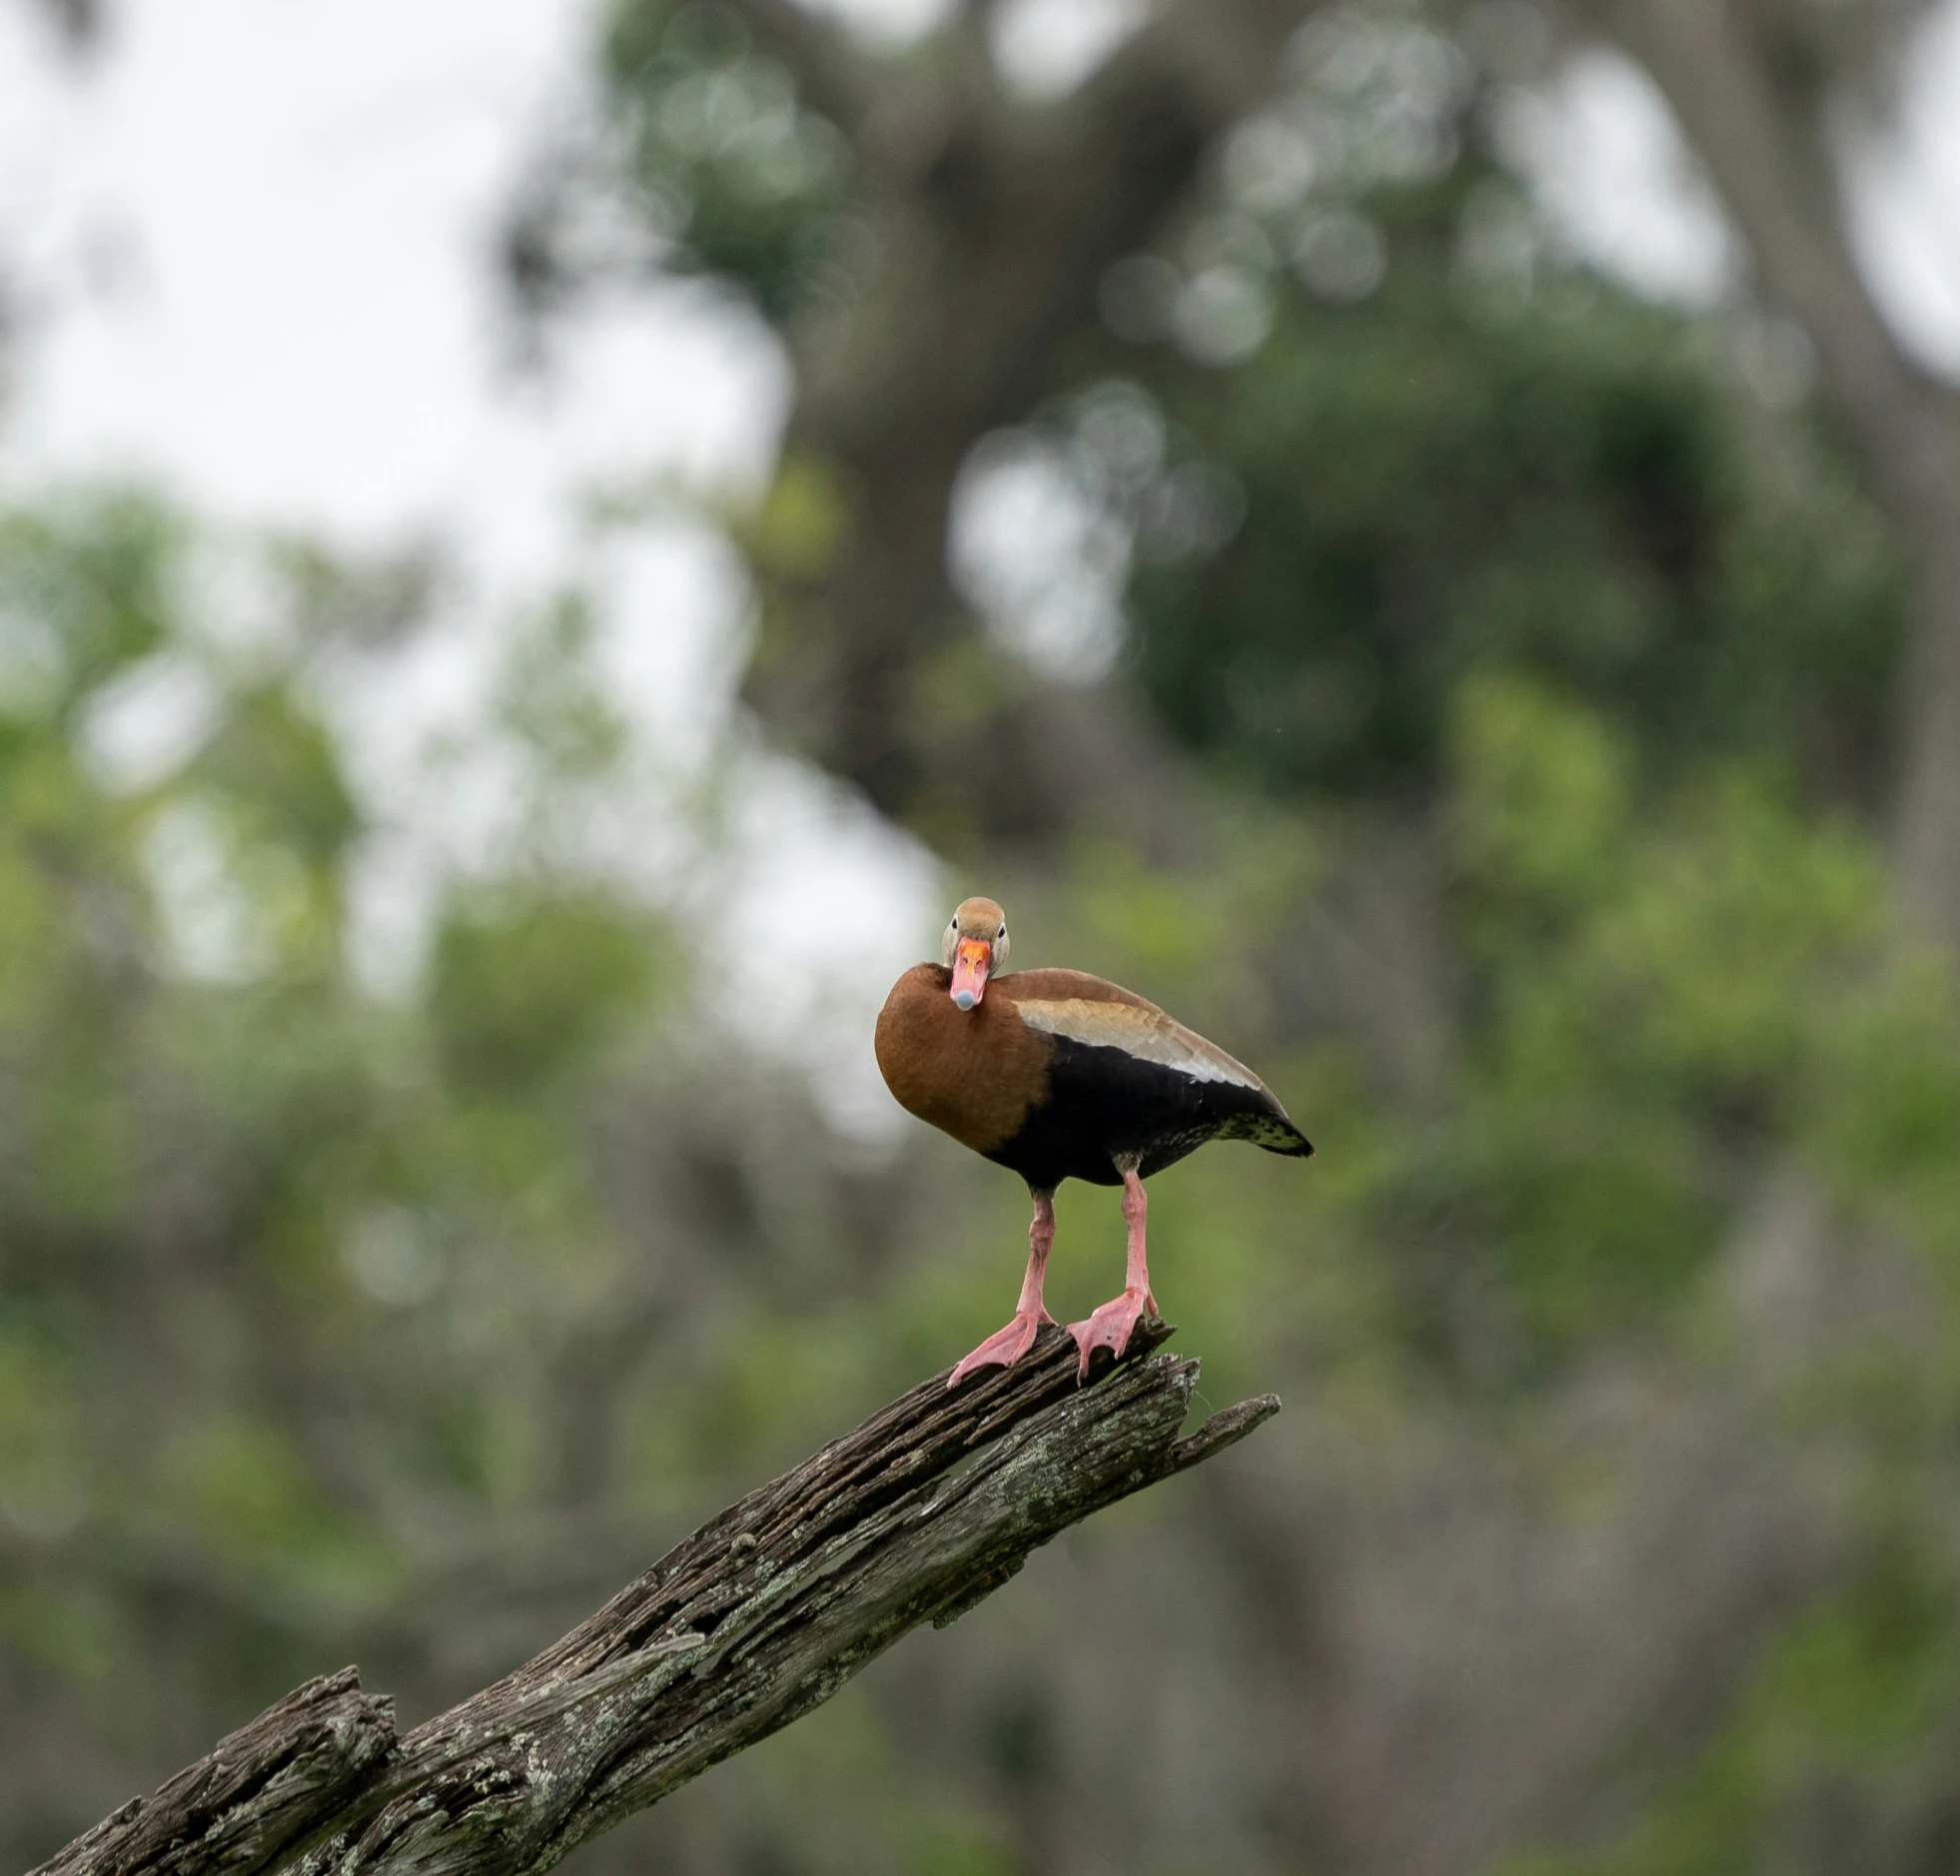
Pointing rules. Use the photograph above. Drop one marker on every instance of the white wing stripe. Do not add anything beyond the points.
(1146, 1035)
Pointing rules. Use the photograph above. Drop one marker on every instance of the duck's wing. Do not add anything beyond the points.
(1140, 1030)
(1100, 1014)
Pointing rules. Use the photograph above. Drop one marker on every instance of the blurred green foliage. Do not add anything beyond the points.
(231, 1176)
(720, 168)
(1657, 993)
(1569, 489)
(1847, 1713)
(521, 993)
(1444, 480)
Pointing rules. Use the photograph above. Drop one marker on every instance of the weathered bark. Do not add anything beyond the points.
(1756, 106)
(761, 1615)
(259, 1791)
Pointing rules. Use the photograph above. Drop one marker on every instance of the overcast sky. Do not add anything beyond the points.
(252, 247)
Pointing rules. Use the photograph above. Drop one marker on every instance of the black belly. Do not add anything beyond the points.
(1104, 1105)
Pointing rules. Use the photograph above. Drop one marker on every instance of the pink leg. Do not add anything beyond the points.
(1108, 1328)
(1006, 1345)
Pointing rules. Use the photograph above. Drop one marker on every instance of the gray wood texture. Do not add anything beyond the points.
(758, 1617)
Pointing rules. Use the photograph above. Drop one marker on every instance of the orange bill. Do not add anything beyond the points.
(971, 961)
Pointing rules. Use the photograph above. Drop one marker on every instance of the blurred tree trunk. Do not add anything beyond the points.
(1755, 89)
(992, 222)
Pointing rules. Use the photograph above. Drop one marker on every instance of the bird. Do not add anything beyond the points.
(1059, 1075)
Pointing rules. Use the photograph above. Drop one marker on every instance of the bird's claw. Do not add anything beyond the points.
(1004, 1346)
(1112, 1326)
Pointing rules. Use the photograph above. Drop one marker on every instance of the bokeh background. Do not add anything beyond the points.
(541, 546)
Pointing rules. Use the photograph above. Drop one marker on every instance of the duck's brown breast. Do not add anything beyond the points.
(975, 1074)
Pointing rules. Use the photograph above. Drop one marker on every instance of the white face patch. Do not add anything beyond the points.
(1149, 1034)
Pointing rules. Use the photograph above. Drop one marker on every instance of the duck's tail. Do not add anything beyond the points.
(1274, 1132)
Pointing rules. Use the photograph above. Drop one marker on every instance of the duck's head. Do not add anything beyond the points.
(975, 949)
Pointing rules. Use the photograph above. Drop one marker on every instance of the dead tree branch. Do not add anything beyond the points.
(761, 1615)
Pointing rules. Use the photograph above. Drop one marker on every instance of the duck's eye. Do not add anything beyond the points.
(1002, 933)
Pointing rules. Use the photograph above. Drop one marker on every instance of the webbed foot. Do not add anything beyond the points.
(1004, 1346)
(1111, 1327)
